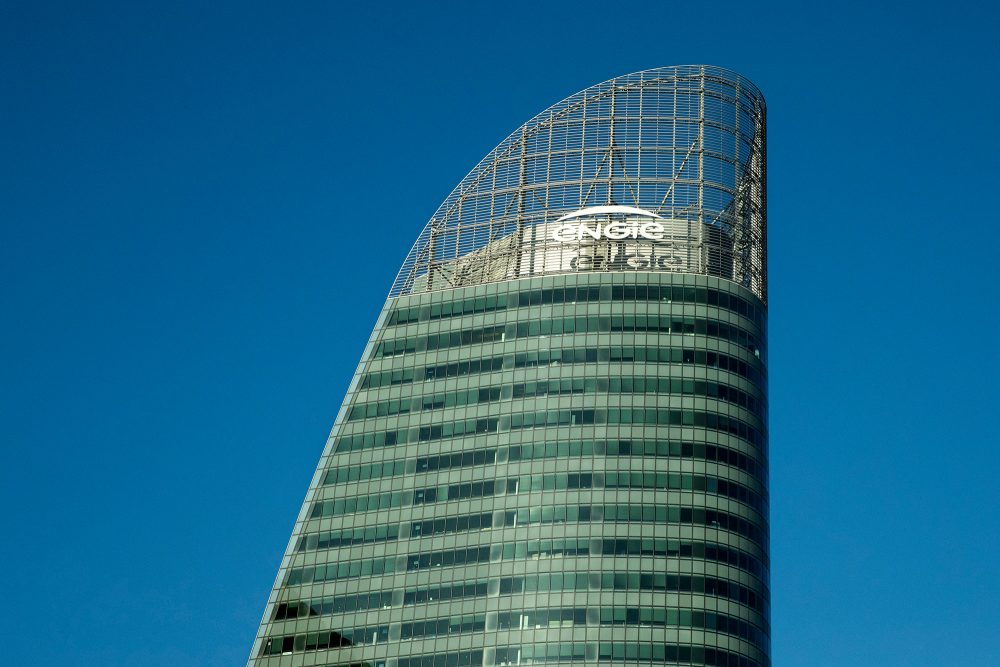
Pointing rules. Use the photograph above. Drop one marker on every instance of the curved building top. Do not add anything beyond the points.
(660, 170)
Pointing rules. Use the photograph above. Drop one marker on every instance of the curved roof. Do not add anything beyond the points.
(684, 143)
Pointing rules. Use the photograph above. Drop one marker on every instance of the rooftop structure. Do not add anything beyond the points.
(684, 143)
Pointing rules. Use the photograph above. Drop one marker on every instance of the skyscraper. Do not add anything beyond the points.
(554, 448)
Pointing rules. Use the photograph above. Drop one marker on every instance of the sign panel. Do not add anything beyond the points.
(611, 238)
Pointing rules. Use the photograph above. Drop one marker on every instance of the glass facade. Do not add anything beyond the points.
(567, 468)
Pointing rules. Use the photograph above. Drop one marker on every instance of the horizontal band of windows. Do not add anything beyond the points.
(353, 443)
(458, 591)
(567, 386)
(634, 616)
(344, 538)
(533, 549)
(687, 618)
(540, 549)
(540, 653)
(467, 556)
(338, 604)
(558, 326)
(343, 506)
(536, 549)
(614, 354)
(379, 566)
(486, 521)
(451, 524)
(719, 553)
(636, 581)
(523, 420)
(341, 570)
(441, 627)
(441, 526)
(620, 513)
(694, 655)
(640, 480)
(527, 654)
(462, 459)
(318, 641)
(465, 490)
(364, 473)
(617, 293)
(420, 403)
(432, 559)
(472, 658)
(570, 547)
(544, 450)
(653, 448)
(689, 515)
(542, 583)
(532, 516)
(341, 604)
(639, 415)
(528, 483)
(509, 551)
(423, 464)
(583, 616)
(421, 373)
(433, 494)
(637, 385)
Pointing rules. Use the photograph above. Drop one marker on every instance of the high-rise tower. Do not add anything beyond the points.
(554, 448)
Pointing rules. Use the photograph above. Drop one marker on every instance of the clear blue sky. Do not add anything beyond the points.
(185, 190)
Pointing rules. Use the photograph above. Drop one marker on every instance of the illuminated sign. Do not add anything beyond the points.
(639, 224)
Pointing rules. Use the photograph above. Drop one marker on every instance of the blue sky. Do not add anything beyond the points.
(185, 190)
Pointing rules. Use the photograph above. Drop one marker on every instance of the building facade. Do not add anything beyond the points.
(554, 449)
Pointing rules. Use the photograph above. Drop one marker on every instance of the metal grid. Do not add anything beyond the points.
(686, 143)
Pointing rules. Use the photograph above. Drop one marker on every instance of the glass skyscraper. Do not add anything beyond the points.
(554, 449)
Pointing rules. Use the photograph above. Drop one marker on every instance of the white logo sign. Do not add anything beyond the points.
(613, 230)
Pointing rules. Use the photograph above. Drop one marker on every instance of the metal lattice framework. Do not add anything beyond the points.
(686, 143)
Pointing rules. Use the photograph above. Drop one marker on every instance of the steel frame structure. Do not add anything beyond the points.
(684, 142)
